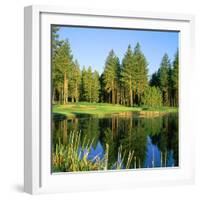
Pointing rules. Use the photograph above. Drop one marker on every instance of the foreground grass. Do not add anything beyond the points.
(101, 109)
(74, 157)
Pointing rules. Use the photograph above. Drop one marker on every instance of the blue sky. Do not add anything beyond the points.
(90, 46)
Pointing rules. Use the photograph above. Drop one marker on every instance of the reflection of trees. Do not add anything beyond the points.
(136, 141)
(167, 139)
(90, 129)
(131, 136)
(59, 131)
(173, 139)
(153, 125)
(129, 131)
(113, 143)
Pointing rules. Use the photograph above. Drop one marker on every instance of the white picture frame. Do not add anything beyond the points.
(37, 153)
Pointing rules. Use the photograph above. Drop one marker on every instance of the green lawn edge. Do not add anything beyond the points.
(71, 110)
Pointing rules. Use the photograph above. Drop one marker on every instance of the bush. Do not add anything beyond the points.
(152, 97)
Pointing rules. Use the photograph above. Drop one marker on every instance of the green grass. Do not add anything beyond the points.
(101, 109)
(69, 158)
(160, 109)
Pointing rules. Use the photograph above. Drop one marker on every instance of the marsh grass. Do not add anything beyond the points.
(74, 156)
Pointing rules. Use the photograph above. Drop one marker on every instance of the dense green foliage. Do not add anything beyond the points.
(152, 97)
(124, 83)
(90, 85)
(166, 78)
(111, 78)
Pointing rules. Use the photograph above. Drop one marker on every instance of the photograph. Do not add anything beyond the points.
(114, 99)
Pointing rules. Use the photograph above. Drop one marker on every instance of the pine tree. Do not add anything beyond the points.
(175, 74)
(141, 72)
(154, 81)
(82, 86)
(90, 85)
(95, 87)
(163, 75)
(170, 86)
(56, 79)
(74, 82)
(111, 75)
(118, 82)
(55, 41)
(128, 75)
(63, 62)
(102, 92)
(87, 84)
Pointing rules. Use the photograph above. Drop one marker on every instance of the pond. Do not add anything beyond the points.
(153, 139)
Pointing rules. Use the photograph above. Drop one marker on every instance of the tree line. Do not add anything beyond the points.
(124, 82)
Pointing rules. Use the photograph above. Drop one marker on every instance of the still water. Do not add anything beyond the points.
(154, 140)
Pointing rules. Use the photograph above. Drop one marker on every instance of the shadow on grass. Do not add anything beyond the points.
(145, 108)
(60, 116)
(83, 115)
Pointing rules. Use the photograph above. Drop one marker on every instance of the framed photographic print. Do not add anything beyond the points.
(107, 99)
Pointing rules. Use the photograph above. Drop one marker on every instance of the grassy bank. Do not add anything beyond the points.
(100, 109)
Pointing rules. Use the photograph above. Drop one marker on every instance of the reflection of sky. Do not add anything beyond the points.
(97, 151)
(153, 156)
(90, 46)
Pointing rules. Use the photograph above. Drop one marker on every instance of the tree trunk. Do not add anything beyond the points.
(61, 96)
(53, 96)
(131, 95)
(113, 96)
(124, 97)
(65, 87)
(117, 96)
(76, 93)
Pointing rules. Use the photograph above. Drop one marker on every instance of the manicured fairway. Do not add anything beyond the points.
(101, 109)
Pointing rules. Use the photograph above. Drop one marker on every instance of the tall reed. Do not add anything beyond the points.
(74, 156)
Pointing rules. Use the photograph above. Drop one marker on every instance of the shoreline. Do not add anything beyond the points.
(83, 109)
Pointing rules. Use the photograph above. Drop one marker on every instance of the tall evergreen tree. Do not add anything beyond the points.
(111, 75)
(170, 86)
(55, 41)
(102, 93)
(118, 82)
(90, 85)
(140, 72)
(127, 74)
(163, 75)
(175, 74)
(63, 62)
(82, 86)
(95, 87)
(55, 73)
(154, 81)
(87, 84)
(74, 82)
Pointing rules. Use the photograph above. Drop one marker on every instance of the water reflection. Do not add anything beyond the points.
(154, 140)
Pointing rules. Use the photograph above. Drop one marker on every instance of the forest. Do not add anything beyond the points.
(123, 82)
(122, 118)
